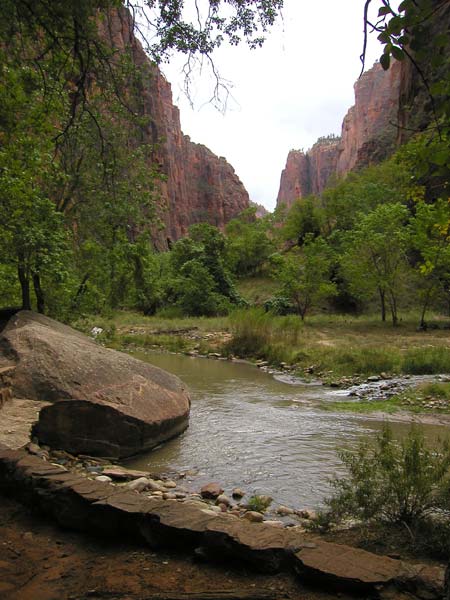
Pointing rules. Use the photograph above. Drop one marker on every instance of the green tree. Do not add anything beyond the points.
(375, 256)
(305, 218)
(247, 245)
(305, 275)
(430, 236)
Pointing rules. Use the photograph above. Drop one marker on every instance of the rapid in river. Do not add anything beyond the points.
(261, 432)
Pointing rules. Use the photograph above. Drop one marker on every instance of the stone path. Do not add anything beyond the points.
(83, 504)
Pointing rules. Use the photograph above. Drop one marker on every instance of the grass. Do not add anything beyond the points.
(256, 290)
(329, 346)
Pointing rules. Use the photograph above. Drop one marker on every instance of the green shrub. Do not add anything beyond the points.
(392, 481)
(423, 361)
(279, 305)
(259, 503)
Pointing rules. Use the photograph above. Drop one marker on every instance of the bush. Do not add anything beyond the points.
(366, 360)
(259, 503)
(279, 305)
(392, 481)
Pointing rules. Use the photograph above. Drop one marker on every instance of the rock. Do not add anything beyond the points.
(278, 524)
(211, 491)
(169, 496)
(169, 484)
(285, 511)
(155, 486)
(122, 474)
(306, 513)
(223, 499)
(104, 478)
(374, 378)
(104, 402)
(138, 485)
(253, 516)
(237, 493)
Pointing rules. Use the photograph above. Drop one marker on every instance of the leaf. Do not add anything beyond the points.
(397, 53)
(384, 10)
(385, 61)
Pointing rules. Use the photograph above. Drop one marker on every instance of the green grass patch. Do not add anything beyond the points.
(389, 406)
(256, 290)
(423, 361)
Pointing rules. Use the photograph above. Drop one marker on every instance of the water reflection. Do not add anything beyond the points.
(251, 430)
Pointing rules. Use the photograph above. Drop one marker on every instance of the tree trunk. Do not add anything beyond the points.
(40, 300)
(382, 294)
(24, 279)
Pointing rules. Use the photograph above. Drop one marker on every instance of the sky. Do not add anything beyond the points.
(285, 95)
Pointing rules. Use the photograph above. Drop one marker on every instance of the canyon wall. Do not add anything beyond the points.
(369, 134)
(198, 185)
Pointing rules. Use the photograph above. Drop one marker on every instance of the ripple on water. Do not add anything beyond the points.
(250, 430)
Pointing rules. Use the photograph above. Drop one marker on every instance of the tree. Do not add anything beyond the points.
(375, 256)
(430, 236)
(247, 245)
(305, 275)
(305, 218)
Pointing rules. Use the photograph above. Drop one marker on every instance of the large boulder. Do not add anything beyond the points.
(103, 402)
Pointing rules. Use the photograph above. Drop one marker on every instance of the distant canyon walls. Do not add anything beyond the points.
(369, 134)
(199, 186)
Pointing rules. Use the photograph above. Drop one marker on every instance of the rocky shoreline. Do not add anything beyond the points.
(95, 506)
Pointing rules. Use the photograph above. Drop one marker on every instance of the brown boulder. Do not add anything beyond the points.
(103, 402)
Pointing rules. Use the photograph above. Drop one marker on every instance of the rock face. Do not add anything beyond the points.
(369, 134)
(308, 172)
(369, 129)
(199, 186)
(103, 402)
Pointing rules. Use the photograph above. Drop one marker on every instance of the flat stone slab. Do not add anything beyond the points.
(88, 505)
(17, 416)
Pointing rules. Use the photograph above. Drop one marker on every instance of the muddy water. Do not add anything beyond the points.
(258, 432)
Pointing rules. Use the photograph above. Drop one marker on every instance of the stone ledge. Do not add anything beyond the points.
(97, 507)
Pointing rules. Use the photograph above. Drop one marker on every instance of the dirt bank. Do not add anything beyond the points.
(39, 561)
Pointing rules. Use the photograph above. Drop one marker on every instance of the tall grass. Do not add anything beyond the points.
(261, 335)
(422, 361)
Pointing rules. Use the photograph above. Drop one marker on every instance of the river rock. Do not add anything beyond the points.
(237, 493)
(254, 517)
(285, 511)
(223, 499)
(211, 491)
(103, 402)
(138, 485)
(103, 478)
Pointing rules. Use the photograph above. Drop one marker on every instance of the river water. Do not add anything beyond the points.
(257, 431)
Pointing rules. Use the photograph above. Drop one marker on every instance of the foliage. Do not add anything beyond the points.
(259, 503)
(375, 257)
(304, 276)
(424, 361)
(305, 218)
(248, 246)
(392, 481)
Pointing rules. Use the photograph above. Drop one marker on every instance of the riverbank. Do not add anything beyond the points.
(342, 352)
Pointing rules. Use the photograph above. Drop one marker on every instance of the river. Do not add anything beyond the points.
(259, 432)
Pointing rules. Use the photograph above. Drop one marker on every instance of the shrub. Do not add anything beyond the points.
(366, 360)
(392, 481)
(279, 305)
(259, 503)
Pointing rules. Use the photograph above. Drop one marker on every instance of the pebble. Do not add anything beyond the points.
(153, 485)
(103, 478)
(237, 493)
(157, 493)
(222, 499)
(211, 490)
(169, 496)
(138, 485)
(254, 517)
(169, 484)
(278, 524)
(285, 511)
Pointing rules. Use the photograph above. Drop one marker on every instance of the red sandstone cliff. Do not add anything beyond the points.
(199, 185)
(368, 135)
(308, 172)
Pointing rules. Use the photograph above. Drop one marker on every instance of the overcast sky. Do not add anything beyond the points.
(295, 89)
